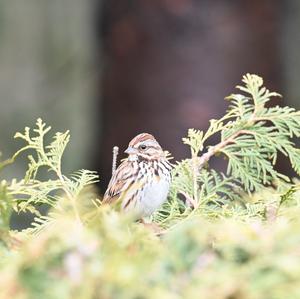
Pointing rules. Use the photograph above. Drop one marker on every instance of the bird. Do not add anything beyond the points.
(142, 181)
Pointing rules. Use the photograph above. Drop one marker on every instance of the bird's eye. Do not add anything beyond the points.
(143, 147)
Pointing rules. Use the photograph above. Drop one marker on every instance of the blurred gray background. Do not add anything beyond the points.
(47, 70)
(107, 70)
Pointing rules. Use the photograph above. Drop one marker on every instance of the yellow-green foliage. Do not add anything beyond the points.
(233, 236)
(113, 258)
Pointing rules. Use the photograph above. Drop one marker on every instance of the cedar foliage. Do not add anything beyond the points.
(232, 235)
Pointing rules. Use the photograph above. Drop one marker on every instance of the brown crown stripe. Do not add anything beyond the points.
(141, 137)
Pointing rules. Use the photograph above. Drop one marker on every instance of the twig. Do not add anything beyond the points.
(6, 162)
(214, 149)
(195, 176)
(189, 200)
(114, 161)
(198, 164)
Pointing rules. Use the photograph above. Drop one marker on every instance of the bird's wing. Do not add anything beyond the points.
(121, 181)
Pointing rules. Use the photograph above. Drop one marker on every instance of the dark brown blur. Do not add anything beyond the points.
(170, 63)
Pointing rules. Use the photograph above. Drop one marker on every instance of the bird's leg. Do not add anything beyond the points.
(155, 228)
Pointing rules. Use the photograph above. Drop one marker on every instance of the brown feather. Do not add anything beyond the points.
(119, 182)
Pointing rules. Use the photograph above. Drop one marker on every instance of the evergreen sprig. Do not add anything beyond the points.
(31, 191)
(251, 137)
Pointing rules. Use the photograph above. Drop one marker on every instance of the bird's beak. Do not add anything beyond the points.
(130, 150)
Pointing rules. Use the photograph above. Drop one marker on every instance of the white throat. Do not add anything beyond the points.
(132, 158)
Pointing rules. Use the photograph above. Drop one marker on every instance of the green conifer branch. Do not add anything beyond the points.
(251, 136)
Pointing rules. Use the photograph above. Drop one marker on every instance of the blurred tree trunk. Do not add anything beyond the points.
(170, 63)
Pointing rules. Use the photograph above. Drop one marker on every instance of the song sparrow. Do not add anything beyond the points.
(141, 182)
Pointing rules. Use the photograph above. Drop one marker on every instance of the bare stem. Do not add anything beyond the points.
(195, 175)
(214, 149)
(190, 201)
(6, 162)
(114, 161)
